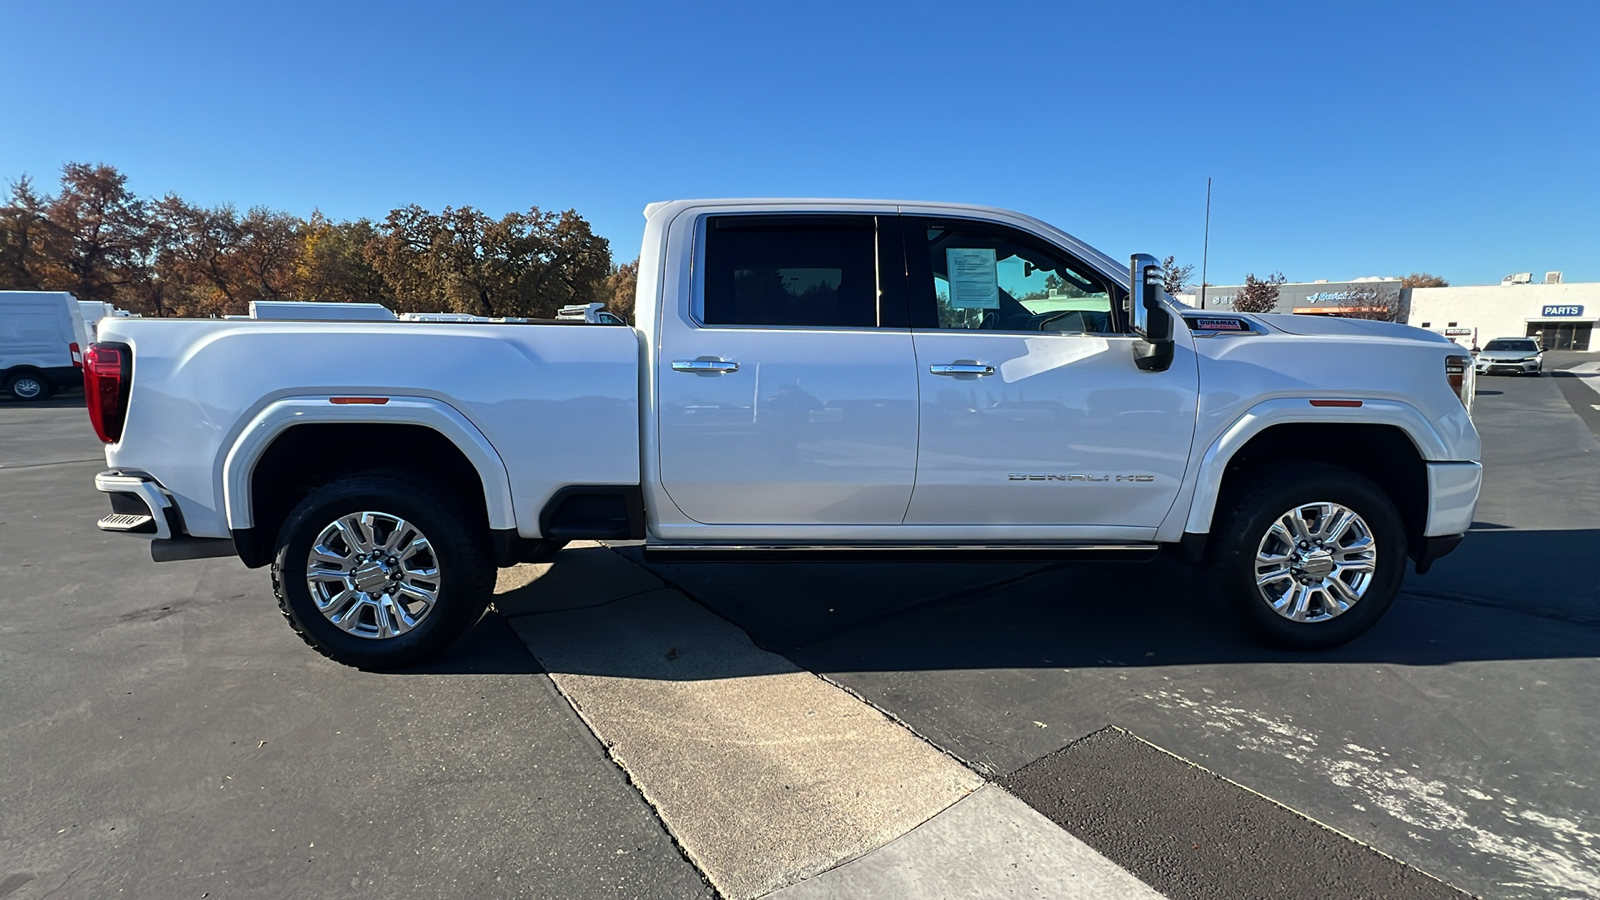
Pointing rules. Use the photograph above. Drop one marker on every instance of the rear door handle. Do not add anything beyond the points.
(711, 366)
(962, 369)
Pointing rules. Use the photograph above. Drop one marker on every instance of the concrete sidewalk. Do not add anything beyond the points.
(769, 777)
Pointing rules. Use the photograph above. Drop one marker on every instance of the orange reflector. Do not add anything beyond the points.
(375, 401)
(1336, 403)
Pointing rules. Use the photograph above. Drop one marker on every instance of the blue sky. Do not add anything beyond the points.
(1345, 139)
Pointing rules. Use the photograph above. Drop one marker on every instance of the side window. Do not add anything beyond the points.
(818, 271)
(981, 277)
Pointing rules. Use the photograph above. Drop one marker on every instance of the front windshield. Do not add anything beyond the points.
(1525, 346)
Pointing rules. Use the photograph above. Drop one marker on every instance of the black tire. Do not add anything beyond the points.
(29, 386)
(1249, 511)
(460, 544)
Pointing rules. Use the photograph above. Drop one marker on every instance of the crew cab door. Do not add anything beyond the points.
(1032, 410)
(787, 388)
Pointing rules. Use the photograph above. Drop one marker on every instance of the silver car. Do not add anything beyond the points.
(1511, 356)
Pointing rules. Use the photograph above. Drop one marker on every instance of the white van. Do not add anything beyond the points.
(42, 338)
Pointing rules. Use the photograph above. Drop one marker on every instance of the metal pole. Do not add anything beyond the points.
(1205, 252)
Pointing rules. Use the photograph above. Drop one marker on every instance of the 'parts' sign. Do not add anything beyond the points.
(1552, 312)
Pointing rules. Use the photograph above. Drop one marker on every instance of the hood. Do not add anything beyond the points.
(1508, 354)
(1334, 325)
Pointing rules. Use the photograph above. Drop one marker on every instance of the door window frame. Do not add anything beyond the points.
(924, 314)
(893, 296)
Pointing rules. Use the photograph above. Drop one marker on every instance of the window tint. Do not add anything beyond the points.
(975, 276)
(791, 270)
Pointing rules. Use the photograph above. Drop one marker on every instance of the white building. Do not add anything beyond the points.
(1562, 316)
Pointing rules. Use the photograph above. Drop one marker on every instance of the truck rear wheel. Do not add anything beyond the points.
(379, 571)
(1308, 555)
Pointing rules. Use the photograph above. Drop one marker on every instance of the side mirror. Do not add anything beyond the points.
(1147, 315)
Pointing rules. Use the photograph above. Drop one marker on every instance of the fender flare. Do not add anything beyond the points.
(277, 417)
(1298, 410)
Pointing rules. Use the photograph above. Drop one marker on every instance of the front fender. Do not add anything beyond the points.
(1430, 443)
(281, 415)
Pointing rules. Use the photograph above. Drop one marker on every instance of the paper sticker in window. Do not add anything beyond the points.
(974, 283)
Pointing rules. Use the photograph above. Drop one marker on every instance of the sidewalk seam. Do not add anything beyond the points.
(627, 776)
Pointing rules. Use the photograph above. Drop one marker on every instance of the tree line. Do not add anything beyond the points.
(167, 256)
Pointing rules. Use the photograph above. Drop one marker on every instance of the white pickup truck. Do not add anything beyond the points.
(808, 379)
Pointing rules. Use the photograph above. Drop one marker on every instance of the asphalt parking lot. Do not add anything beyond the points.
(169, 737)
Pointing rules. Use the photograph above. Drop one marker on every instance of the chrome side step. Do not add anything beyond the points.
(882, 552)
(127, 523)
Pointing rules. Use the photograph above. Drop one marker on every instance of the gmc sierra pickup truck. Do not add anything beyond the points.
(806, 379)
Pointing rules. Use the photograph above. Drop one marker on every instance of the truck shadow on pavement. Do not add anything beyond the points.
(1508, 594)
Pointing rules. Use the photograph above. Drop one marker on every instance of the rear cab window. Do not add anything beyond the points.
(807, 271)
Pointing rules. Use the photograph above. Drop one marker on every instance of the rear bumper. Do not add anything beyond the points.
(140, 506)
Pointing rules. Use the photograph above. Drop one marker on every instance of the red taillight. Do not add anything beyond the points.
(107, 370)
(77, 354)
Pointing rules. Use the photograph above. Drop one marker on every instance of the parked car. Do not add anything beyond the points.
(806, 380)
(42, 336)
(1511, 356)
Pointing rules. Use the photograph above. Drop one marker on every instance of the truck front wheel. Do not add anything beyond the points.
(379, 571)
(1308, 555)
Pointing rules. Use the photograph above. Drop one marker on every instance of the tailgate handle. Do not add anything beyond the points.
(710, 366)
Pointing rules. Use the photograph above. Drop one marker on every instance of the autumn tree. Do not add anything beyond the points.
(1423, 279)
(1259, 295)
(96, 234)
(332, 263)
(462, 260)
(24, 227)
(1174, 276)
(621, 287)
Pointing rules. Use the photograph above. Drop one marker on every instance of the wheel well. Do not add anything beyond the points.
(1384, 454)
(306, 457)
(7, 374)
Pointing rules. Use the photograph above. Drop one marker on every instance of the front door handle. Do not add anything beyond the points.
(711, 366)
(962, 369)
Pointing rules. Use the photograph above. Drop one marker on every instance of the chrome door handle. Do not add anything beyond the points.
(961, 369)
(713, 366)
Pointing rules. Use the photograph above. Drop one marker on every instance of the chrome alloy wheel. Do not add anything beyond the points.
(1315, 562)
(373, 574)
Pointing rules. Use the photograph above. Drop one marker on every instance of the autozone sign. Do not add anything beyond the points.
(1558, 311)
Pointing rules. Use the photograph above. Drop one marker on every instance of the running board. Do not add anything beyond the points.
(900, 552)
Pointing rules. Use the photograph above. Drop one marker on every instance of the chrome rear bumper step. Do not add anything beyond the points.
(899, 552)
(128, 523)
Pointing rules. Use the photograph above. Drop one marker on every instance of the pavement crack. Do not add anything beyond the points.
(1486, 603)
(603, 603)
(59, 462)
